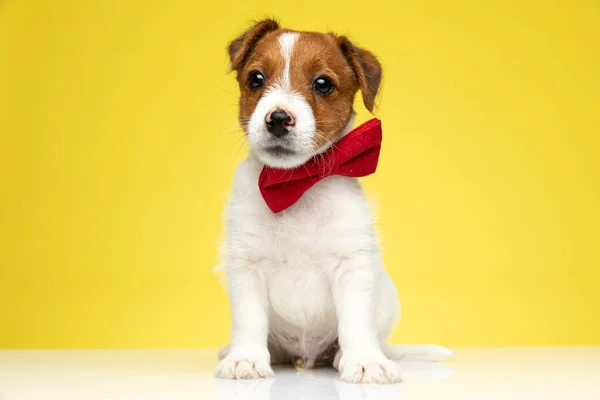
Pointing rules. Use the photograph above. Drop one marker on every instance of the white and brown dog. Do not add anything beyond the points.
(306, 284)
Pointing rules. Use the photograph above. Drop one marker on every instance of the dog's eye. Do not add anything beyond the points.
(256, 80)
(322, 85)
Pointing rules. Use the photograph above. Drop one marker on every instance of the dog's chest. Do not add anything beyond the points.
(330, 220)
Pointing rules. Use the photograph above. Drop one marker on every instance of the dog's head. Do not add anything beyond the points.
(297, 89)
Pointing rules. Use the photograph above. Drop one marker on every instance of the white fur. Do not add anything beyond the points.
(306, 275)
(301, 278)
(286, 44)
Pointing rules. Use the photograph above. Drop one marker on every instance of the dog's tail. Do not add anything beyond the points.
(417, 352)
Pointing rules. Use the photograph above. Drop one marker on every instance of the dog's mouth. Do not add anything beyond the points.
(278, 151)
(278, 156)
(285, 152)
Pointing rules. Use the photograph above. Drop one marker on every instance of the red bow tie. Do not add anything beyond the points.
(355, 155)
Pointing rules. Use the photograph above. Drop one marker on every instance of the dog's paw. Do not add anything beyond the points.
(243, 368)
(358, 368)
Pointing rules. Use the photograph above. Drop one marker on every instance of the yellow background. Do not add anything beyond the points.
(118, 143)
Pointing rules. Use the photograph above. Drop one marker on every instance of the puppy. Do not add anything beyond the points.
(307, 284)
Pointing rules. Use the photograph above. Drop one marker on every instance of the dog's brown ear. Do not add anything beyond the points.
(366, 68)
(241, 48)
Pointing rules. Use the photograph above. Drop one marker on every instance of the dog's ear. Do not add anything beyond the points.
(241, 48)
(366, 68)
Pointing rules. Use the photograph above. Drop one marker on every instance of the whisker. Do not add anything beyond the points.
(241, 144)
(227, 91)
(322, 135)
(231, 131)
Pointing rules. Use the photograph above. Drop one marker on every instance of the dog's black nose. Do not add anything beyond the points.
(278, 122)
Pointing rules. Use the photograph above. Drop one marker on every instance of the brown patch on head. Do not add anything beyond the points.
(313, 55)
(266, 59)
(242, 47)
(347, 66)
(317, 55)
(366, 69)
(257, 49)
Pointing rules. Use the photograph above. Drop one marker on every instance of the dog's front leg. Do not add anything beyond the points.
(247, 356)
(362, 360)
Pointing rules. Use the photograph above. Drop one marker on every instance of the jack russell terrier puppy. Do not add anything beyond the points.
(302, 261)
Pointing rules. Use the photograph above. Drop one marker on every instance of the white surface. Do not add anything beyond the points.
(482, 374)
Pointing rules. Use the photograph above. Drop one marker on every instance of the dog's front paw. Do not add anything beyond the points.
(364, 368)
(244, 368)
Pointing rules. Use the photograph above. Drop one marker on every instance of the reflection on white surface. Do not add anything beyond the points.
(323, 384)
(490, 374)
